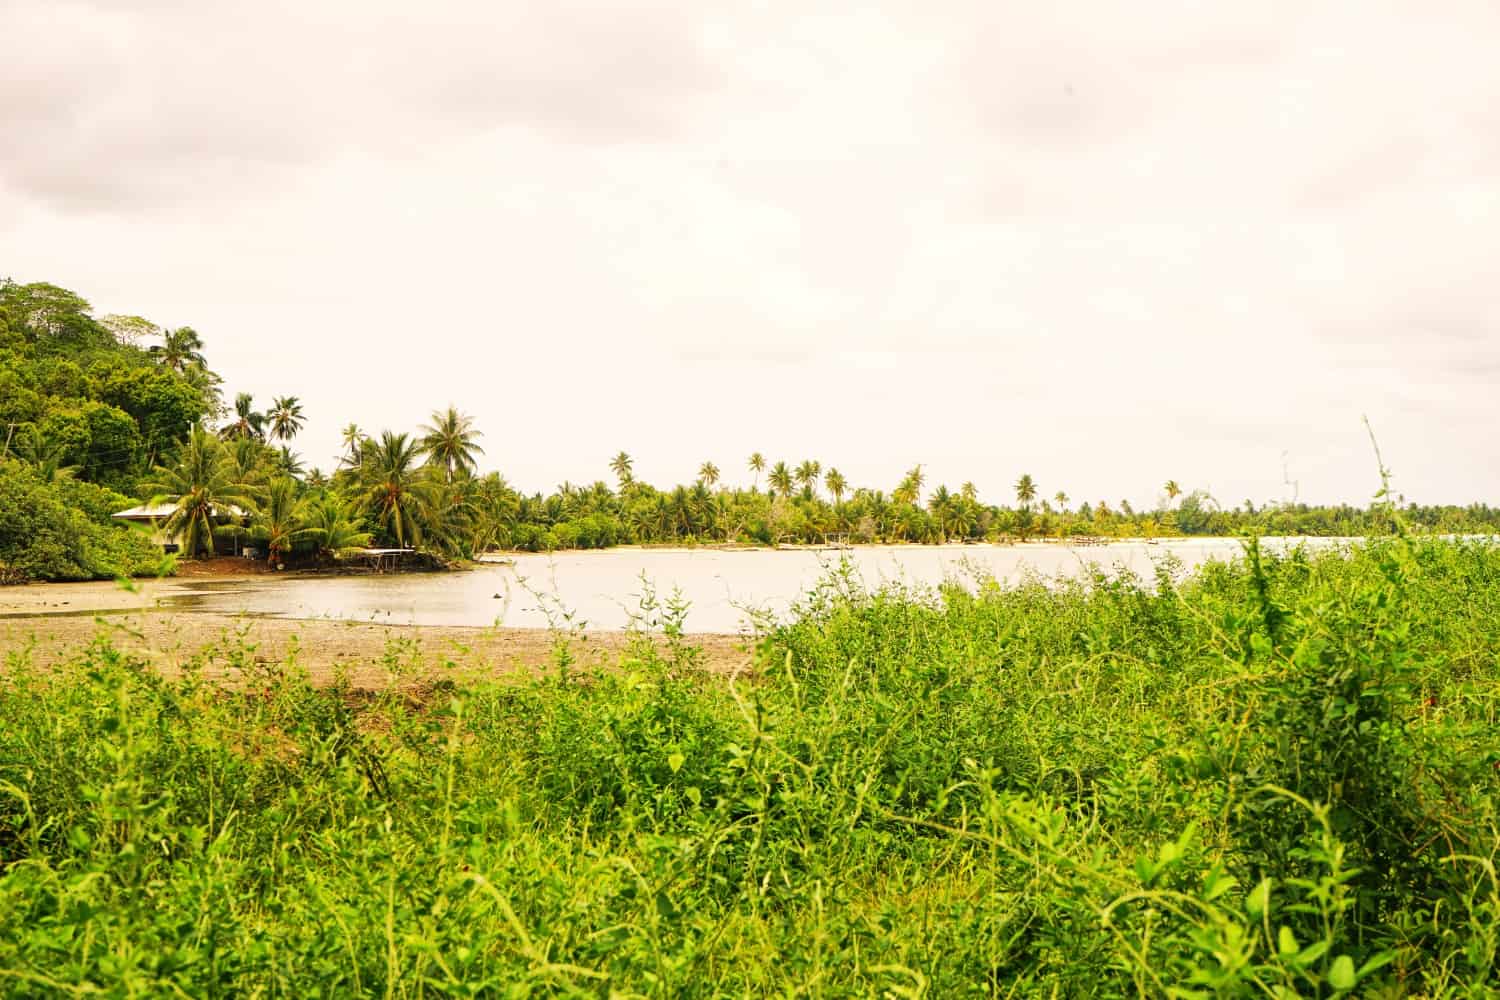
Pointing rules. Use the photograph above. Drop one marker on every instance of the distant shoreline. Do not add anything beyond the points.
(1039, 543)
(236, 568)
(40, 598)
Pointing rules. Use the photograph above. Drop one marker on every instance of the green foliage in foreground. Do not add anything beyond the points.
(1276, 778)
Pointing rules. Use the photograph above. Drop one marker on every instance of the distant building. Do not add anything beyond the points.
(156, 514)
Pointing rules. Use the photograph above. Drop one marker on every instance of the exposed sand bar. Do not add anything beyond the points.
(49, 623)
(73, 598)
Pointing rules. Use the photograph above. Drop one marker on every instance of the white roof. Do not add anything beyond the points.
(152, 511)
(147, 510)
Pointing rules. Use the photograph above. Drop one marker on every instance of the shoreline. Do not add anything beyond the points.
(50, 623)
(155, 617)
(47, 598)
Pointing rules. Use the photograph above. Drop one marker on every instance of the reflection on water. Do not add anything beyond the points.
(601, 589)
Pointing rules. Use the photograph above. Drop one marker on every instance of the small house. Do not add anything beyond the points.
(153, 514)
(156, 514)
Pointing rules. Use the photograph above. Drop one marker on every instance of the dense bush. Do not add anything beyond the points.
(1275, 778)
(61, 531)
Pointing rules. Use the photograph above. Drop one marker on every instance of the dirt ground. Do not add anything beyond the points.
(51, 622)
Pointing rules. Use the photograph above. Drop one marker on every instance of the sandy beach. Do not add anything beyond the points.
(48, 623)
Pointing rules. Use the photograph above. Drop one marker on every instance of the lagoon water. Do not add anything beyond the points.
(603, 589)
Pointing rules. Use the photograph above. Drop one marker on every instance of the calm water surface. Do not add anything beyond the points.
(602, 589)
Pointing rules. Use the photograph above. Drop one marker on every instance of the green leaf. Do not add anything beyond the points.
(1259, 900)
(1312, 953)
(675, 761)
(1216, 883)
(1286, 942)
(1341, 974)
(1378, 961)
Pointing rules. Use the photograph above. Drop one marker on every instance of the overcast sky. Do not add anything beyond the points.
(1102, 243)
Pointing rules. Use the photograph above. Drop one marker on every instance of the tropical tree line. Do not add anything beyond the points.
(425, 490)
(243, 487)
(121, 410)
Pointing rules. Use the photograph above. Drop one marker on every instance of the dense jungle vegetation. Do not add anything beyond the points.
(1274, 778)
(101, 413)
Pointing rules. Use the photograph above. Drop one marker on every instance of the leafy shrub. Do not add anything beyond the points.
(1277, 777)
(46, 532)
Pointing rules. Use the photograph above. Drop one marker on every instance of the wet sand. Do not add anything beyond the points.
(50, 623)
(76, 598)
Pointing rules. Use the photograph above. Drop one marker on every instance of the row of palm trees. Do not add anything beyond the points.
(783, 479)
(282, 422)
(215, 483)
(404, 489)
(424, 490)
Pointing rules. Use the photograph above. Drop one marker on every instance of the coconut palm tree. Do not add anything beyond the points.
(952, 514)
(836, 484)
(1172, 489)
(780, 478)
(709, 473)
(912, 523)
(250, 461)
(941, 505)
(807, 474)
(201, 486)
(337, 527)
(285, 417)
(757, 466)
(280, 517)
(451, 441)
(247, 422)
(180, 350)
(394, 493)
(660, 517)
(450, 521)
(1062, 500)
(701, 505)
(1025, 491)
(287, 462)
(910, 487)
(624, 469)
(497, 508)
(352, 437)
(600, 499)
(682, 511)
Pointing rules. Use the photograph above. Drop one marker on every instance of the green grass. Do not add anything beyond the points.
(1272, 778)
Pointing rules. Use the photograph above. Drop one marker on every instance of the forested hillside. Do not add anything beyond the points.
(86, 408)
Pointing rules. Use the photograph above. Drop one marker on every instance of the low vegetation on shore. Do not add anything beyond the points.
(1276, 777)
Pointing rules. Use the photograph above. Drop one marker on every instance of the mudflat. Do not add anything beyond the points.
(49, 623)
